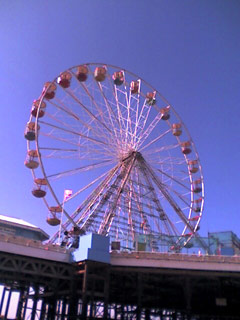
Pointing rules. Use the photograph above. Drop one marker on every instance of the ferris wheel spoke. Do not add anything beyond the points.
(88, 126)
(172, 161)
(95, 193)
(128, 164)
(73, 133)
(144, 224)
(51, 136)
(137, 100)
(174, 179)
(80, 169)
(58, 149)
(75, 98)
(129, 210)
(90, 154)
(120, 116)
(182, 197)
(75, 116)
(85, 88)
(167, 224)
(104, 185)
(102, 151)
(169, 228)
(161, 149)
(141, 195)
(141, 121)
(170, 200)
(115, 136)
(129, 118)
(65, 125)
(90, 199)
(124, 129)
(82, 147)
(145, 134)
(134, 118)
(104, 198)
(128, 123)
(121, 107)
(69, 112)
(116, 92)
(55, 119)
(155, 140)
(110, 113)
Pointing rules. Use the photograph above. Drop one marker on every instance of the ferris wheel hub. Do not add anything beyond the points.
(132, 154)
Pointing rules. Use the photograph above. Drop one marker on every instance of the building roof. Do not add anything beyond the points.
(23, 224)
(16, 220)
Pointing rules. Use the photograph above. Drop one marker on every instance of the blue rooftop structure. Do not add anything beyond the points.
(93, 247)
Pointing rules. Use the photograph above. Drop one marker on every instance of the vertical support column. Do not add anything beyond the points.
(43, 310)
(2, 300)
(84, 292)
(35, 300)
(161, 314)
(25, 304)
(139, 296)
(147, 314)
(63, 309)
(57, 309)
(122, 311)
(8, 302)
(188, 296)
(73, 300)
(52, 307)
(106, 291)
(115, 311)
(91, 299)
(20, 303)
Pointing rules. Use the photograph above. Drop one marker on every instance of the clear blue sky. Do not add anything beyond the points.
(188, 50)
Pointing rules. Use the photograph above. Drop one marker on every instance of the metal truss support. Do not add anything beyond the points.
(94, 290)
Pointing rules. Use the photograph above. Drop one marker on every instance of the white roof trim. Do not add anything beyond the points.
(18, 221)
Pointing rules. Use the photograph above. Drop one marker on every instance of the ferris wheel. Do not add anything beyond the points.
(127, 161)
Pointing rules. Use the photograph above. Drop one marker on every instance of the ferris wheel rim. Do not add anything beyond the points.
(137, 77)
